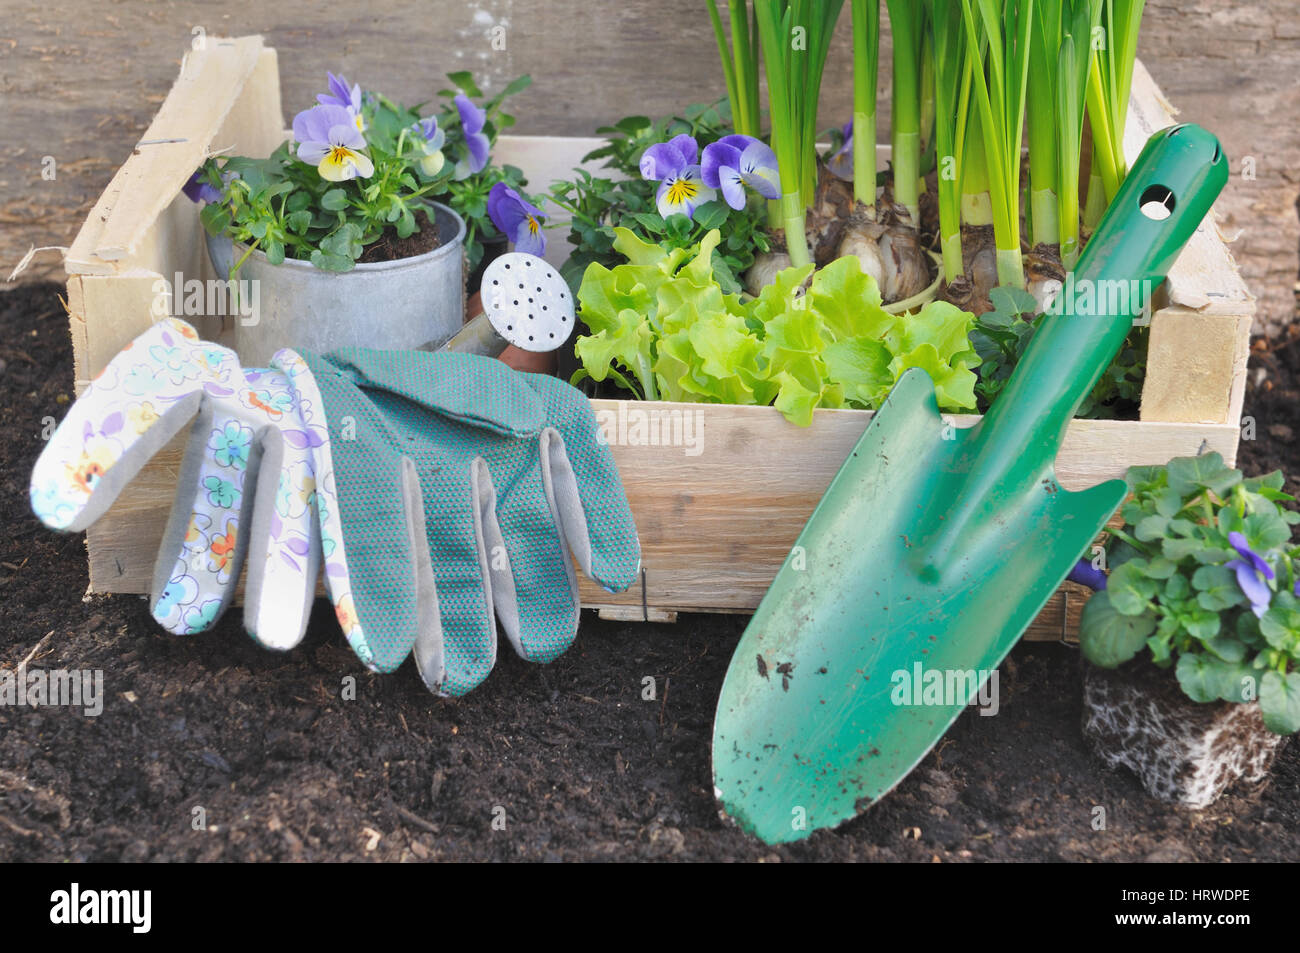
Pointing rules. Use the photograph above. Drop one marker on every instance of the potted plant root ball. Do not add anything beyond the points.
(1192, 647)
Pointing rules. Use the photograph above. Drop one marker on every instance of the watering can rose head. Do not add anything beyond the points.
(329, 139)
(517, 218)
(673, 165)
(734, 162)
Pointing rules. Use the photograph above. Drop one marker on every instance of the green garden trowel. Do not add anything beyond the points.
(934, 547)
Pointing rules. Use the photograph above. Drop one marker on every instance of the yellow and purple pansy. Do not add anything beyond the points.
(349, 97)
(518, 219)
(329, 139)
(673, 165)
(734, 162)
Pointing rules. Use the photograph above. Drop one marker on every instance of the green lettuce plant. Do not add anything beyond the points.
(664, 328)
(1203, 577)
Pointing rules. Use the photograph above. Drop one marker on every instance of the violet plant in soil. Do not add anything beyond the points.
(1204, 579)
(361, 167)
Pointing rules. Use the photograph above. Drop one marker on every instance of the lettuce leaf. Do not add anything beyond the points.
(664, 321)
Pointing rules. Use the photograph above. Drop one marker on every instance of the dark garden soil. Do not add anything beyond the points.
(1271, 427)
(582, 766)
(390, 248)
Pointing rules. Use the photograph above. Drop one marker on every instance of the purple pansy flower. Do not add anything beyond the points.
(349, 98)
(329, 139)
(432, 139)
(518, 219)
(472, 119)
(672, 164)
(840, 162)
(1086, 574)
(1252, 573)
(736, 161)
(199, 189)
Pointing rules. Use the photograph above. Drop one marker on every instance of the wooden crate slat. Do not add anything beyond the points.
(1058, 622)
(1199, 342)
(1205, 278)
(716, 527)
(211, 80)
(130, 298)
(1204, 383)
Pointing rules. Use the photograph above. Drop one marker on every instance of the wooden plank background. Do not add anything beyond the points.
(80, 80)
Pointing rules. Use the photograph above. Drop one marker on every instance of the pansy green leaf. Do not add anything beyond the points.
(1202, 624)
(1238, 682)
(1168, 503)
(1139, 478)
(335, 200)
(1151, 528)
(1177, 587)
(1279, 698)
(1202, 677)
(1226, 647)
(1217, 588)
(1187, 475)
(1280, 627)
(711, 214)
(1107, 637)
(1178, 548)
(1130, 589)
(1158, 567)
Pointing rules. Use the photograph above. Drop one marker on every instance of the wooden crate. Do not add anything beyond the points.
(715, 525)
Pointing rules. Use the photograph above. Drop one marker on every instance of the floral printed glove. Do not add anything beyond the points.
(246, 481)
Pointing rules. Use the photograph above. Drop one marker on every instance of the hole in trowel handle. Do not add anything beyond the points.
(1157, 203)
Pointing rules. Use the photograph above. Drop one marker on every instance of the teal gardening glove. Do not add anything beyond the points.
(464, 490)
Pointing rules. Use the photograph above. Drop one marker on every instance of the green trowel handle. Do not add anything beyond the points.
(1181, 171)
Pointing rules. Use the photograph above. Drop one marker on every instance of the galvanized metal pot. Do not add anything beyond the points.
(398, 304)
